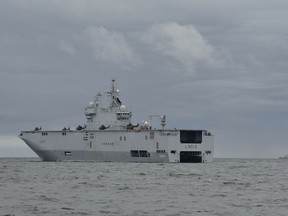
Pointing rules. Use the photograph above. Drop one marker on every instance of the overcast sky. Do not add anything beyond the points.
(218, 65)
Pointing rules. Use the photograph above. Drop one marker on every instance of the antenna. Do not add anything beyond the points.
(162, 119)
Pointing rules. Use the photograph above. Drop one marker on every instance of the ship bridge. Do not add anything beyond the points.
(115, 116)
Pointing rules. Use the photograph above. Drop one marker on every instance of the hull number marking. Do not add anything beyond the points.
(190, 146)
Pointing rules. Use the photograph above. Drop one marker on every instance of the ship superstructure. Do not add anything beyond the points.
(109, 135)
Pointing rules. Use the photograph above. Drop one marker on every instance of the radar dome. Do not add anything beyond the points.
(146, 123)
(123, 108)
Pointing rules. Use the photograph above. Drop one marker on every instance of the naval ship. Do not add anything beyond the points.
(109, 135)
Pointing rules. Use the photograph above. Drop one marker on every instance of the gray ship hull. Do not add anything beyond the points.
(100, 157)
(154, 146)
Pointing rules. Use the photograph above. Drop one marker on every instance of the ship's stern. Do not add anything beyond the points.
(193, 146)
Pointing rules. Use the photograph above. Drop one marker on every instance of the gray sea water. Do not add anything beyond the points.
(224, 187)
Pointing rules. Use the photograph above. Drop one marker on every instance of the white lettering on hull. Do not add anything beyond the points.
(190, 146)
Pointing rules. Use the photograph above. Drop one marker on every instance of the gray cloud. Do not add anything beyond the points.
(181, 42)
(110, 46)
(67, 47)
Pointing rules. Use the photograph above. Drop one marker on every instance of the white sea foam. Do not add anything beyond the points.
(224, 187)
